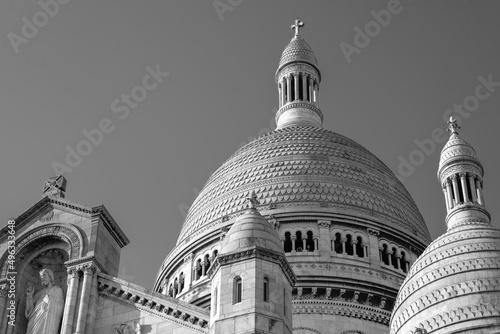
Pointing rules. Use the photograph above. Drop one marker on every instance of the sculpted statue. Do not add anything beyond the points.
(45, 309)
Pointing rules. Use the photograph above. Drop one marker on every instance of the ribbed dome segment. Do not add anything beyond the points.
(301, 166)
(298, 51)
(455, 284)
(249, 230)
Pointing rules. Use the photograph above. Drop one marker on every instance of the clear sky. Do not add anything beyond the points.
(68, 75)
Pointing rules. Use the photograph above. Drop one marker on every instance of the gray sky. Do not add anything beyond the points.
(220, 91)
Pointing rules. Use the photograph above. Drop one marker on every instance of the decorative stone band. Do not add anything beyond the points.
(462, 267)
(488, 307)
(83, 263)
(474, 246)
(462, 168)
(153, 303)
(292, 105)
(255, 252)
(447, 293)
(296, 68)
(345, 309)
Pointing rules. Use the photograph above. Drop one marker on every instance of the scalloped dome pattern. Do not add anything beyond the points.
(305, 166)
(298, 50)
(455, 281)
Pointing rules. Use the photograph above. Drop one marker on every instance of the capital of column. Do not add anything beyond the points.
(472, 176)
(462, 175)
(454, 177)
(89, 269)
(72, 272)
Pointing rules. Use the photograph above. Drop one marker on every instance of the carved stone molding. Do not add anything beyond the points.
(324, 223)
(373, 232)
(69, 235)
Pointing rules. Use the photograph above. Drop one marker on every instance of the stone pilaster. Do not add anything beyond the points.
(70, 304)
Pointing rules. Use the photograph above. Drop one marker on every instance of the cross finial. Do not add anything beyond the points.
(55, 186)
(453, 126)
(297, 24)
(252, 201)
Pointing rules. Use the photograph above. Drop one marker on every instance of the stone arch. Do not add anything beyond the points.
(308, 329)
(66, 233)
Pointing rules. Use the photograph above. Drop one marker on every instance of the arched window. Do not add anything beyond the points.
(215, 301)
(359, 247)
(394, 258)
(403, 262)
(299, 245)
(207, 263)
(175, 287)
(349, 249)
(310, 242)
(266, 289)
(199, 269)
(337, 244)
(216, 252)
(288, 243)
(181, 282)
(237, 290)
(384, 255)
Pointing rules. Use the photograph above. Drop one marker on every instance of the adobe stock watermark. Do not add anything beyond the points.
(184, 208)
(122, 108)
(372, 29)
(427, 146)
(222, 6)
(29, 29)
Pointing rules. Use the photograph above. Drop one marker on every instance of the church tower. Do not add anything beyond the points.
(251, 279)
(454, 287)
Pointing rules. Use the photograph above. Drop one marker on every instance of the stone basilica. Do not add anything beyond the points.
(301, 231)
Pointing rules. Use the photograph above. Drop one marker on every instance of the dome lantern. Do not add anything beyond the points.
(461, 176)
(298, 79)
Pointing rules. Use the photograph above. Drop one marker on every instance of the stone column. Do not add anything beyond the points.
(343, 240)
(450, 194)
(289, 88)
(304, 87)
(283, 244)
(304, 244)
(316, 244)
(70, 303)
(464, 187)
(3, 302)
(88, 274)
(310, 89)
(365, 248)
(389, 257)
(446, 200)
(92, 313)
(479, 189)
(294, 242)
(472, 184)
(296, 87)
(203, 267)
(455, 189)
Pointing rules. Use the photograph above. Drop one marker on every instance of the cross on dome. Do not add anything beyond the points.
(453, 126)
(297, 24)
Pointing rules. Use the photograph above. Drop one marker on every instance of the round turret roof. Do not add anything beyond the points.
(456, 148)
(305, 166)
(298, 51)
(249, 230)
(454, 284)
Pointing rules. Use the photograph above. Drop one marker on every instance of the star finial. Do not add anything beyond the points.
(252, 201)
(297, 24)
(453, 126)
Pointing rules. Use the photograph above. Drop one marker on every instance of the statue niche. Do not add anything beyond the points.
(46, 253)
(44, 310)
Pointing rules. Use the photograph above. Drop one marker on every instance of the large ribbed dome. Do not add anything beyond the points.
(305, 166)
